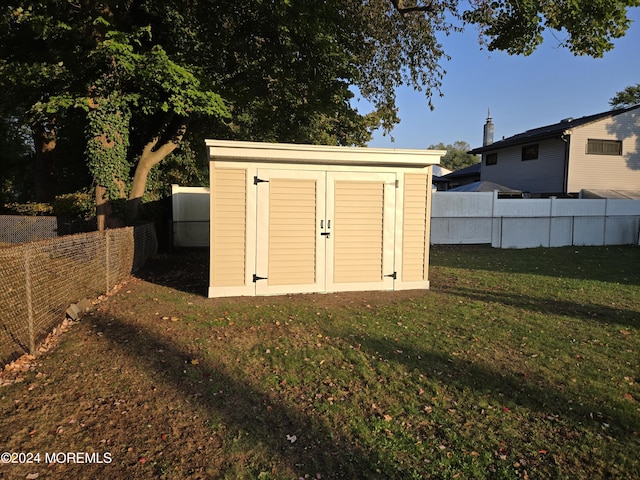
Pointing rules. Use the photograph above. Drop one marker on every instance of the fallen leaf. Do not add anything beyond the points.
(195, 361)
(628, 396)
(543, 452)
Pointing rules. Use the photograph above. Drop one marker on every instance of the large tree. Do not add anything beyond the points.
(140, 76)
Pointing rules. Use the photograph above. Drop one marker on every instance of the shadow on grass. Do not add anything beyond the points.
(185, 270)
(535, 394)
(243, 407)
(589, 312)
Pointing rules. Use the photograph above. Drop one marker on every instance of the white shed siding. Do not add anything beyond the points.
(606, 171)
(543, 175)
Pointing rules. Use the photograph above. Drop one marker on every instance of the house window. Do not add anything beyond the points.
(530, 152)
(491, 159)
(604, 147)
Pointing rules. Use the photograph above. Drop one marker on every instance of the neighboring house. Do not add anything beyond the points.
(597, 152)
(464, 176)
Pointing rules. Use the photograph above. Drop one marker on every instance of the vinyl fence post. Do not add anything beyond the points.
(606, 213)
(551, 199)
(29, 299)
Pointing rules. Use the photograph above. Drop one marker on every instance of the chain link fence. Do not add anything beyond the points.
(21, 229)
(39, 280)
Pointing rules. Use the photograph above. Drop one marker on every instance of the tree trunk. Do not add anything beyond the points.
(45, 141)
(101, 207)
(152, 155)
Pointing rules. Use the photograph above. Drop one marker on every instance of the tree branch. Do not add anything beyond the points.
(402, 10)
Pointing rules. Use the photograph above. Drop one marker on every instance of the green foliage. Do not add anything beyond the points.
(75, 205)
(107, 145)
(30, 209)
(183, 167)
(16, 177)
(516, 26)
(626, 98)
(456, 156)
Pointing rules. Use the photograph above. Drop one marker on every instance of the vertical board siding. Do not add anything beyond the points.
(414, 242)
(229, 237)
(358, 231)
(292, 231)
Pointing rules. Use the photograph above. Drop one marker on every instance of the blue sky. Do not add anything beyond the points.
(522, 92)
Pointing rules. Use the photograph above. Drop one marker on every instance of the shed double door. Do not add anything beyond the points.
(323, 231)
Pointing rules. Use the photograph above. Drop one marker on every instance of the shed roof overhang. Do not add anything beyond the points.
(251, 152)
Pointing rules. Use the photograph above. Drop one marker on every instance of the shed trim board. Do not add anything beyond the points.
(306, 218)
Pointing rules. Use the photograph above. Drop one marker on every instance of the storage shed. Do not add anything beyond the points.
(308, 218)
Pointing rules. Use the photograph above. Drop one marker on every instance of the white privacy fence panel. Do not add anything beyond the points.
(190, 206)
(473, 218)
(482, 217)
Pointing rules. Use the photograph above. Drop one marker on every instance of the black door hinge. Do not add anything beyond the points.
(392, 275)
(257, 180)
(256, 278)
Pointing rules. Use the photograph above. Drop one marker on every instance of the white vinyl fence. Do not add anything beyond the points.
(190, 206)
(472, 218)
(482, 217)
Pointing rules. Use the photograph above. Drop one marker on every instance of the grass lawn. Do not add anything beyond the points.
(516, 364)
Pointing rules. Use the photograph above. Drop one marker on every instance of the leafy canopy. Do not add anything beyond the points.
(626, 98)
(143, 77)
(456, 156)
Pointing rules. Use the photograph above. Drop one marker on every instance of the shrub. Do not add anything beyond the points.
(75, 205)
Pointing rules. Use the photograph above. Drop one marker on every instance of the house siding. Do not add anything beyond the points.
(606, 171)
(543, 175)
